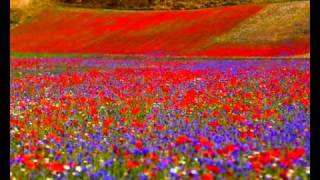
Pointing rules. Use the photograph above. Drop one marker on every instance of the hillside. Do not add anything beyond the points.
(161, 4)
(141, 4)
(265, 30)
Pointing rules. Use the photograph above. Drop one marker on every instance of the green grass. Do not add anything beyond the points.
(142, 57)
(48, 55)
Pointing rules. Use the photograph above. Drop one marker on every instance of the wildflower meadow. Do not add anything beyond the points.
(96, 118)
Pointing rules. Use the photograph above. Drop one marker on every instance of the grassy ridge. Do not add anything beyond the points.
(22, 11)
(278, 22)
(161, 4)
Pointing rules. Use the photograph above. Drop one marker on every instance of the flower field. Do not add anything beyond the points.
(190, 33)
(75, 118)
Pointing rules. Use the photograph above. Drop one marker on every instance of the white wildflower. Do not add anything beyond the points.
(66, 167)
(268, 176)
(78, 168)
(194, 171)
(308, 170)
(174, 170)
(182, 162)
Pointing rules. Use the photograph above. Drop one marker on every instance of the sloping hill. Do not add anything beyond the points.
(230, 31)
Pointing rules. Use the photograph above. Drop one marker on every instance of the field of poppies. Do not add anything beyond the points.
(75, 118)
(190, 33)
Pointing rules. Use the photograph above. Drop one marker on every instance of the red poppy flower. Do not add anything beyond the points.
(139, 144)
(107, 122)
(31, 165)
(197, 147)
(55, 166)
(214, 124)
(295, 154)
(207, 176)
(182, 139)
(135, 110)
(159, 127)
(153, 157)
(205, 142)
(131, 164)
(213, 168)
(127, 155)
(138, 125)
